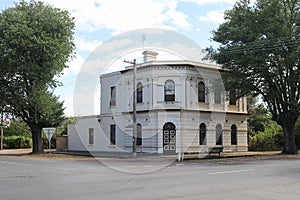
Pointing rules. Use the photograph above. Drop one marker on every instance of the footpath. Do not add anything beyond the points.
(144, 156)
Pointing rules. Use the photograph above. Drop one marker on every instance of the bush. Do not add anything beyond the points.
(17, 127)
(15, 142)
(269, 140)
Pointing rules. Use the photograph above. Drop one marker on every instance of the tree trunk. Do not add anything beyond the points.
(37, 140)
(289, 137)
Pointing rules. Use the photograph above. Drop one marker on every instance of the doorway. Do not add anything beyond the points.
(169, 138)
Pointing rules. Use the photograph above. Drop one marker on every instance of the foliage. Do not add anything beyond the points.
(257, 120)
(260, 53)
(17, 127)
(269, 140)
(63, 128)
(36, 41)
(17, 141)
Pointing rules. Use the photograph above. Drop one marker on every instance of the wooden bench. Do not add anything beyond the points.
(217, 150)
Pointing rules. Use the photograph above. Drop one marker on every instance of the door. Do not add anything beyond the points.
(169, 138)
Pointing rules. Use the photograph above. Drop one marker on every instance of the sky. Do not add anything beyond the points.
(100, 21)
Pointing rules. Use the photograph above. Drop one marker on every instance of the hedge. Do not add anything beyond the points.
(15, 142)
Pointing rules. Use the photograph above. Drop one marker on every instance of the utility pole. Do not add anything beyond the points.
(133, 107)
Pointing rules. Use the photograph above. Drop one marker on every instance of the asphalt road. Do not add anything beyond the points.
(35, 179)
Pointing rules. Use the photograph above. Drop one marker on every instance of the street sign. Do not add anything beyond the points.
(49, 133)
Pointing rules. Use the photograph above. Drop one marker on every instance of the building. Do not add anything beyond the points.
(181, 106)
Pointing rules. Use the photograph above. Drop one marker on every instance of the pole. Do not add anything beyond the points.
(49, 141)
(133, 108)
(1, 124)
(1, 145)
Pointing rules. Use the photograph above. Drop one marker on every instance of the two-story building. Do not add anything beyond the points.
(181, 106)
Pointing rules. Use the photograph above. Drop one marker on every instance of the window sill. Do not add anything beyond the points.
(203, 103)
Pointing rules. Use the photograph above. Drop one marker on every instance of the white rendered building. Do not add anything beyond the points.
(181, 106)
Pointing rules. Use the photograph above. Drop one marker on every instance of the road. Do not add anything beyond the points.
(36, 179)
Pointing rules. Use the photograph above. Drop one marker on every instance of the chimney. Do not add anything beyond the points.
(149, 56)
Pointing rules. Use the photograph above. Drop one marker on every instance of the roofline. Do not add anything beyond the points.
(166, 62)
(180, 62)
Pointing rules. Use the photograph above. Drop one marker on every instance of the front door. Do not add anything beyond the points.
(169, 138)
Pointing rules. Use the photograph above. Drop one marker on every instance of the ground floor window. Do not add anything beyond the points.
(91, 136)
(139, 140)
(202, 134)
(233, 135)
(219, 137)
(112, 134)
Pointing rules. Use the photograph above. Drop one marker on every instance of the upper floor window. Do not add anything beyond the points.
(139, 93)
(169, 90)
(113, 95)
(201, 92)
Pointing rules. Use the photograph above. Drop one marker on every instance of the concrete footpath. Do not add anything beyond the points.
(140, 156)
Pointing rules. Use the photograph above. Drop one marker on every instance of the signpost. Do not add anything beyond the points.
(49, 133)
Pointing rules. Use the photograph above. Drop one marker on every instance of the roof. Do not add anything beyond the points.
(167, 63)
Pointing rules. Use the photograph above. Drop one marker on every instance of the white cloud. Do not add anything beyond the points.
(120, 16)
(74, 65)
(213, 16)
(204, 2)
(68, 102)
(86, 45)
(179, 18)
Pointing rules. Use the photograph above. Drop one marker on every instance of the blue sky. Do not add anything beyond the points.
(100, 20)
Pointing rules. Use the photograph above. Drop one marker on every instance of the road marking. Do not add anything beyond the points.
(230, 172)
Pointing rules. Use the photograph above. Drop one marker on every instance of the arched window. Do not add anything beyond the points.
(219, 137)
(139, 93)
(139, 139)
(201, 92)
(233, 135)
(169, 90)
(202, 134)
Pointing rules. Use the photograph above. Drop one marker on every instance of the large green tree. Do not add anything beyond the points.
(36, 41)
(260, 51)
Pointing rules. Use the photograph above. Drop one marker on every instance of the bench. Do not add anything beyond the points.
(215, 150)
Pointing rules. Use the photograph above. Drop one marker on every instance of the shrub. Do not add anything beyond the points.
(17, 127)
(269, 140)
(15, 142)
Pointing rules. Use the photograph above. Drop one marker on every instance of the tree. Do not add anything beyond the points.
(260, 52)
(36, 41)
(257, 120)
(63, 128)
(17, 127)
